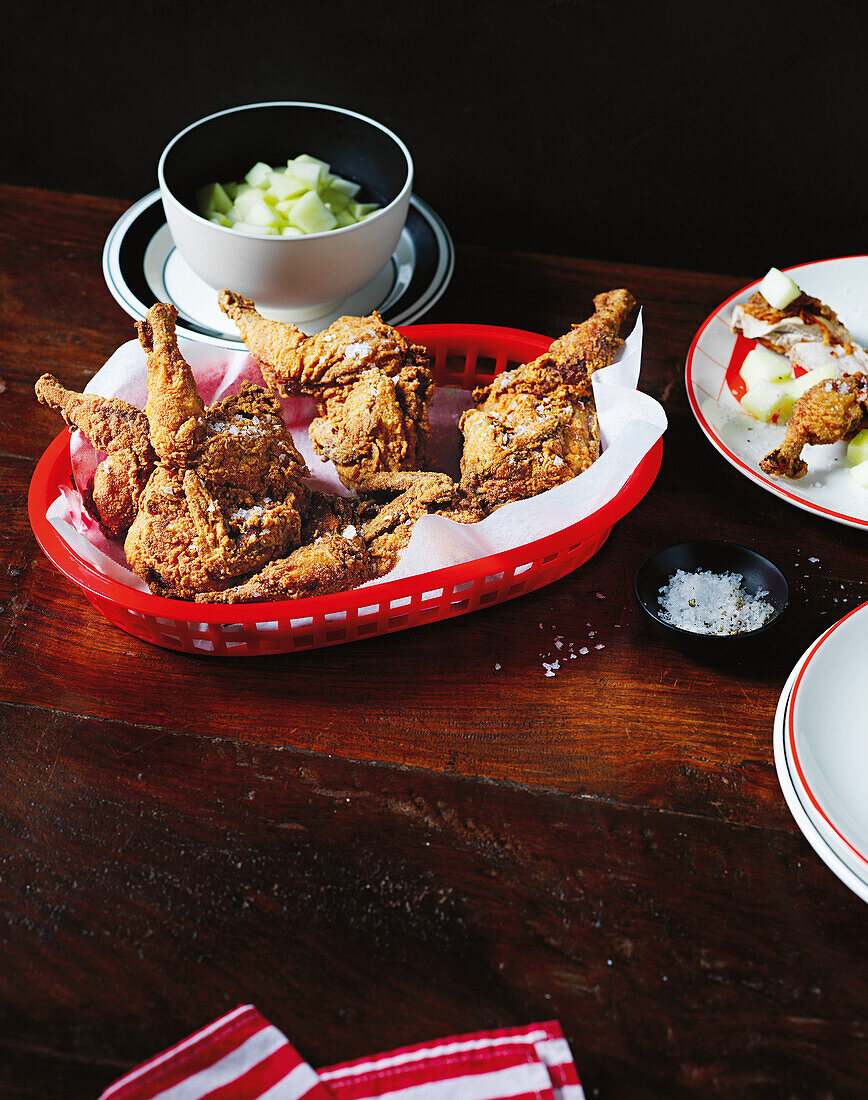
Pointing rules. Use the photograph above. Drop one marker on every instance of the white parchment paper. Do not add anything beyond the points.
(631, 422)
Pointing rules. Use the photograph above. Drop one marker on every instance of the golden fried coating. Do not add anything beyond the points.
(235, 506)
(273, 344)
(374, 425)
(372, 387)
(331, 563)
(119, 429)
(332, 359)
(388, 532)
(174, 410)
(226, 497)
(185, 540)
(246, 446)
(826, 413)
(802, 306)
(593, 344)
(536, 426)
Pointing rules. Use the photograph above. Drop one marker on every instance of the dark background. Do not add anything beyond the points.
(713, 137)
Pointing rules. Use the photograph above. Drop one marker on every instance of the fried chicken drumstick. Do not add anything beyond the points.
(827, 413)
(372, 387)
(119, 429)
(536, 426)
(174, 409)
(227, 496)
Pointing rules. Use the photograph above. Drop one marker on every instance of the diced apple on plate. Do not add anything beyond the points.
(771, 389)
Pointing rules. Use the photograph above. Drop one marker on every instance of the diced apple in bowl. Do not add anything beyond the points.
(305, 197)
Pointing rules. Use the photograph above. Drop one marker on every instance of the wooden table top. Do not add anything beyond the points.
(395, 840)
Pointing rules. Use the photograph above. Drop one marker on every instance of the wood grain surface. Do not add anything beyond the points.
(390, 841)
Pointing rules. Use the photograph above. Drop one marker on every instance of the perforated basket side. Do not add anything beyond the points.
(278, 632)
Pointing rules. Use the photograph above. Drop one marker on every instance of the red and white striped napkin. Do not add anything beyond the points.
(243, 1057)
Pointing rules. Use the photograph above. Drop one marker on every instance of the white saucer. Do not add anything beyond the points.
(141, 266)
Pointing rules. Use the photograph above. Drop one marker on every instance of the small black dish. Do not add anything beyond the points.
(715, 557)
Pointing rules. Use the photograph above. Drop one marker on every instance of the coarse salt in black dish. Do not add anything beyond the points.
(761, 580)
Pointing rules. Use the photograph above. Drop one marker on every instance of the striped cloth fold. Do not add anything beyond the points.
(242, 1056)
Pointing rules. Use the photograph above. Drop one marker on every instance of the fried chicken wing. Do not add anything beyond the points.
(536, 426)
(174, 410)
(119, 429)
(826, 413)
(372, 387)
(388, 531)
(331, 563)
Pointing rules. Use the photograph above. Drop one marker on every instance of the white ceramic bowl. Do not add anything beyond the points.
(299, 277)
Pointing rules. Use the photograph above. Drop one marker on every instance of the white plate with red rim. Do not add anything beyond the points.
(826, 738)
(714, 386)
(797, 799)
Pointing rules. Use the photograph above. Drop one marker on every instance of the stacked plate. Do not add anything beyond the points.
(821, 748)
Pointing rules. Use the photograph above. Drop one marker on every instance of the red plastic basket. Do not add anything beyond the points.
(463, 355)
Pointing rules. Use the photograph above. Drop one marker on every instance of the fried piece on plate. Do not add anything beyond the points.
(372, 387)
(185, 539)
(332, 563)
(119, 429)
(806, 331)
(174, 409)
(536, 426)
(826, 413)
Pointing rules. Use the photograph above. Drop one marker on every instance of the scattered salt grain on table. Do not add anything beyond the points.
(712, 603)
